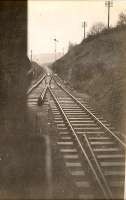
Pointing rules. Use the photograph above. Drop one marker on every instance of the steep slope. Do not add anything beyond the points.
(36, 71)
(97, 67)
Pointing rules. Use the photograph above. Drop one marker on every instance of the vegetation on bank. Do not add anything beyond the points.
(35, 72)
(97, 67)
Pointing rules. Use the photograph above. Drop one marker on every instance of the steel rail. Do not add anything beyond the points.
(36, 84)
(103, 189)
(98, 166)
(42, 96)
(93, 116)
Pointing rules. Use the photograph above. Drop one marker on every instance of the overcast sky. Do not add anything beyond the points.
(63, 20)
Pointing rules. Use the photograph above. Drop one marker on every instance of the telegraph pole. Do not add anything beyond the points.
(63, 51)
(31, 55)
(109, 4)
(84, 24)
(55, 42)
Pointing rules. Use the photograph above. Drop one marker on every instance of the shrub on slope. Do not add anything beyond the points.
(98, 67)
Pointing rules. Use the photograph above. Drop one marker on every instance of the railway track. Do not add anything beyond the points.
(36, 84)
(93, 154)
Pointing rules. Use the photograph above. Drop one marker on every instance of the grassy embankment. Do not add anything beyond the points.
(97, 67)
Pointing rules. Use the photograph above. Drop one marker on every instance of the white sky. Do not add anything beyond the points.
(63, 20)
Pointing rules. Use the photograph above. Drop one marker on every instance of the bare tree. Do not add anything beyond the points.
(96, 28)
(71, 45)
(122, 19)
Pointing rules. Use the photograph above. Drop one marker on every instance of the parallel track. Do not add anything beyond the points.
(93, 153)
(36, 84)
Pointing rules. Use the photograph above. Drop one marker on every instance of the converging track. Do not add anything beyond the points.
(93, 154)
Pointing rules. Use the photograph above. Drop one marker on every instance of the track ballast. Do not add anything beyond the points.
(93, 154)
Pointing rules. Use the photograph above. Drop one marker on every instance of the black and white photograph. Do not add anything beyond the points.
(62, 99)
